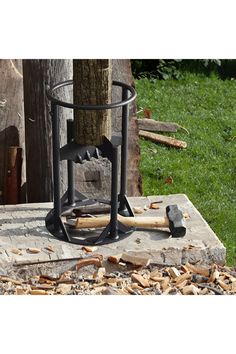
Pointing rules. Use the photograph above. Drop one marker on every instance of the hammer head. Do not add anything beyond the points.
(176, 221)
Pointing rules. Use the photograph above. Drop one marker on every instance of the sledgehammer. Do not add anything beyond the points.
(174, 220)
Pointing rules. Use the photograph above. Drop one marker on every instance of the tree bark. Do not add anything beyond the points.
(93, 178)
(92, 86)
(11, 118)
(12, 193)
(38, 75)
(121, 71)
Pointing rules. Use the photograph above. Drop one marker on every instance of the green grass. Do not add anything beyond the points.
(206, 170)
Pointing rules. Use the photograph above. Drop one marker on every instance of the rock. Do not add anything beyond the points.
(135, 259)
(197, 278)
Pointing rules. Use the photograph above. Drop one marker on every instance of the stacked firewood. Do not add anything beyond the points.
(129, 276)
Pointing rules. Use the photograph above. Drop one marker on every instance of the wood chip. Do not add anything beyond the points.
(224, 286)
(114, 259)
(165, 283)
(181, 278)
(100, 273)
(112, 281)
(138, 210)
(38, 292)
(135, 259)
(155, 273)
(197, 269)
(89, 249)
(97, 261)
(138, 278)
(166, 292)
(204, 291)
(173, 272)
(64, 289)
(44, 279)
(16, 251)
(190, 290)
(135, 286)
(50, 248)
(158, 279)
(184, 268)
(213, 276)
(113, 291)
(19, 291)
(154, 206)
(33, 250)
(100, 289)
(7, 279)
(130, 290)
(42, 287)
(233, 287)
(181, 284)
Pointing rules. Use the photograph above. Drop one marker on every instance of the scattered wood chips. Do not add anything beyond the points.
(136, 276)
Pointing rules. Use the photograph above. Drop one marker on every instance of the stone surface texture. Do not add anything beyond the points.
(23, 227)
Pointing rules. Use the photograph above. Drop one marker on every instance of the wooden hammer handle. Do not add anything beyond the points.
(140, 222)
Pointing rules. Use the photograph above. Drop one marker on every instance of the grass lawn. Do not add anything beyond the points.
(206, 169)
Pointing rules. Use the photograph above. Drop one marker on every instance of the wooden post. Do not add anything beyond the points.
(11, 118)
(38, 76)
(13, 178)
(92, 85)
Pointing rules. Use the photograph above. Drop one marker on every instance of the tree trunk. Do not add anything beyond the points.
(38, 75)
(121, 71)
(11, 118)
(92, 85)
(93, 178)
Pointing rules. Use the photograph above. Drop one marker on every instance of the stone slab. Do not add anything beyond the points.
(23, 226)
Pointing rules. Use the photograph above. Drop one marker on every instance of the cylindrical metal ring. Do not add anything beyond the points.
(52, 90)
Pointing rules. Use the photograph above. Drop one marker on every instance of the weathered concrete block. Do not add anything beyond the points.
(23, 226)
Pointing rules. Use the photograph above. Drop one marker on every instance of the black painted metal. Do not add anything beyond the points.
(75, 153)
(124, 155)
(70, 167)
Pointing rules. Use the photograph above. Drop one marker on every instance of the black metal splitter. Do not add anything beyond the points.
(75, 153)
